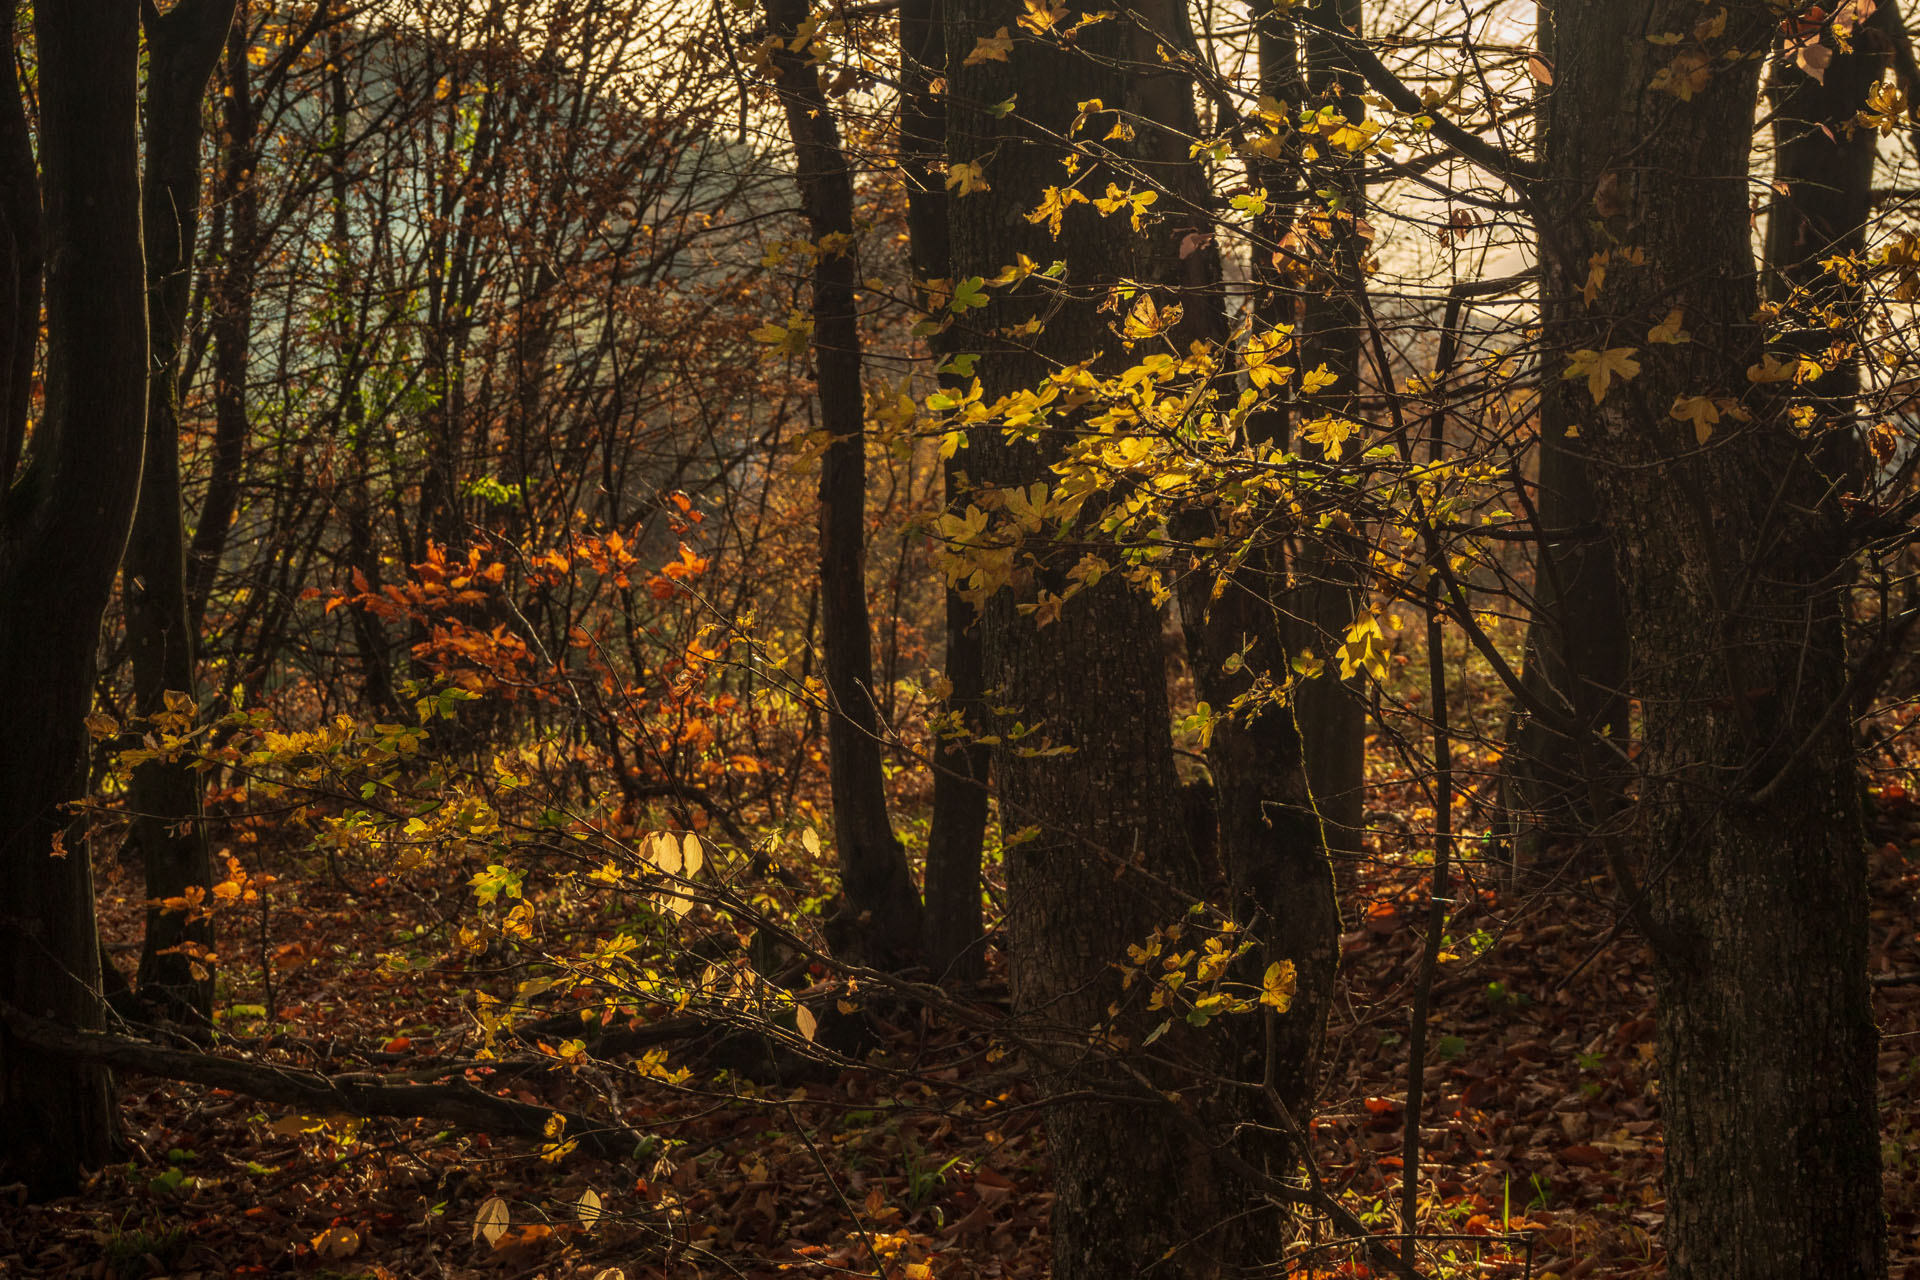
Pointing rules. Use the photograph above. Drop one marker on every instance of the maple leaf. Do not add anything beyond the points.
(993, 48)
(1116, 199)
(1319, 380)
(1042, 17)
(1669, 330)
(1773, 369)
(969, 177)
(1054, 202)
(1596, 276)
(1278, 985)
(1600, 368)
(1701, 411)
(1686, 75)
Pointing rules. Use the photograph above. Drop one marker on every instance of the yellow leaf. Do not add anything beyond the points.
(1596, 276)
(1054, 202)
(1277, 987)
(1041, 17)
(589, 1208)
(969, 177)
(804, 1022)
(1330, 433)
(1669, 330)
(1319, 380)
(1685, 76)
(993, 48)
(1700, 411)
(1800, 369)
(1601, 367)
(294, 1126)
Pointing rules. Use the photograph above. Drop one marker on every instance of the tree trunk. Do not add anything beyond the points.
(1575, 664)
(67, 520)
(165, 795)
(1333, 332)
(1732, 557)
(1096, 861)
(232, 324)
(954, 942)
(881, 918)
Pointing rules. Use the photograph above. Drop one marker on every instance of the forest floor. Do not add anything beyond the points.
(1540, 1138)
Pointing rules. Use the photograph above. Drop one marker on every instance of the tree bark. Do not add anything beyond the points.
(67, 521)
(1576, 655)
(1333, 331)
(1095, 859)
(881, 917)
(1732, 557)
(232, 324)
(20, 262)
(954, 941)
(165, 795)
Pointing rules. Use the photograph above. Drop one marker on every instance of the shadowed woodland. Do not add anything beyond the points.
(949, 638)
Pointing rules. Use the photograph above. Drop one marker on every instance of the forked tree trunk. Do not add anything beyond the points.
(958, 826)
(67, 519)
(882, 918)
(1732, 556)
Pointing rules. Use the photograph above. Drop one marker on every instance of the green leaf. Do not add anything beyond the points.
(969, 294)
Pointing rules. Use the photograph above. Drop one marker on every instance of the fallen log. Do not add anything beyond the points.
(452, 1102)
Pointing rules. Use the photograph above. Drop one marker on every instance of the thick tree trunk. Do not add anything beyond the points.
(959, 822)
(881, 919)
(165, 795)
(1731, 556)
(67, 520)
(1096, 860)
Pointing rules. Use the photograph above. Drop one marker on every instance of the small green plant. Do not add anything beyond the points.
(925, 1180)
(1501, 998)
(150, 1249)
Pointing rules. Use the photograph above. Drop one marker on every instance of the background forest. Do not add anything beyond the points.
(946, 638)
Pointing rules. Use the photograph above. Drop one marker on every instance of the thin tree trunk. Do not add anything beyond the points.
(67, 521)
(165, 795)
(954, 941)
(1576, 649)
(1333, 332)
(882, 915)
(232, 324)
(1732, 557)
(20, 262)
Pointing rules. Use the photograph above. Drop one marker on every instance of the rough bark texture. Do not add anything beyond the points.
(1333, 331)
(165, 795)
(954, 941)
(1731, 556)
(66, 524)
(882, 918)
(1095, 859)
